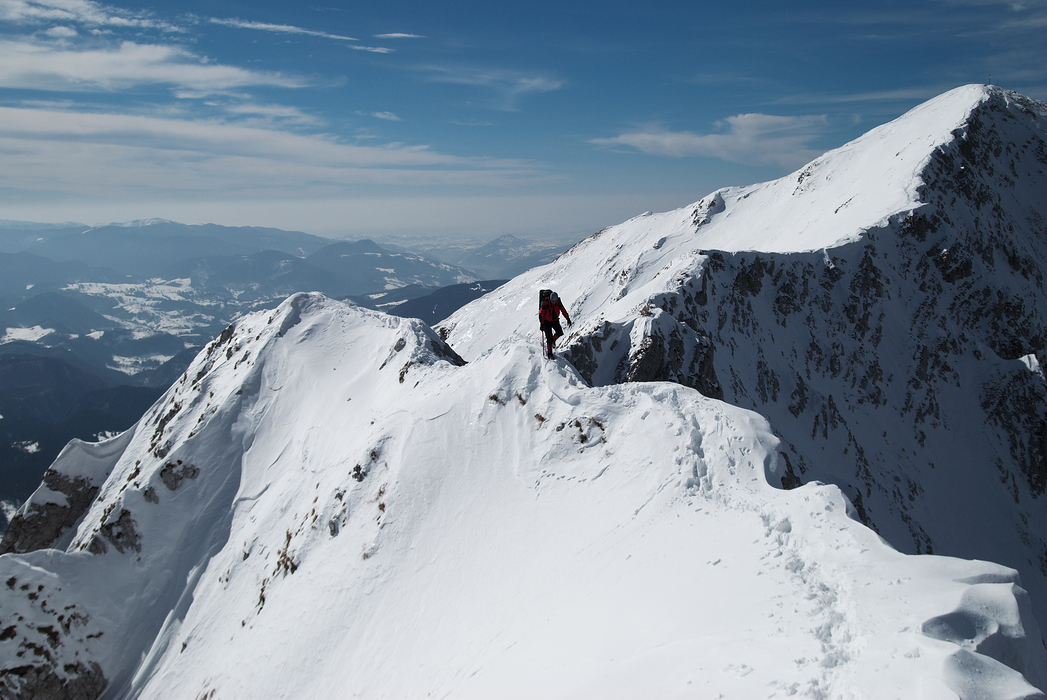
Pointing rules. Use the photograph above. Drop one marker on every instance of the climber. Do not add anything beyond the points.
(549, 309)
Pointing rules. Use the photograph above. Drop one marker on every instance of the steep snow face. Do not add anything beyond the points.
(884, 307)
(838, 196)
(329, 505)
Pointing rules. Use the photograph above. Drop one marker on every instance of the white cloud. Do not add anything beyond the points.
(290, 29)
(388, 116)
(30, 65)
(271, 114)
(75, 11)
(61, 32)
(502, 80)
(751, 139)
(398, 36)
(901, 95)
(508, 85)
(277, 28)
(119, 156)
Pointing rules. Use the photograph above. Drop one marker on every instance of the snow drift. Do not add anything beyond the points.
(332, 503)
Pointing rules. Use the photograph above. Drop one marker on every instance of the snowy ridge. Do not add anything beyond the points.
(863, 184)
(613, 273)
(322, 479)
(890, 361)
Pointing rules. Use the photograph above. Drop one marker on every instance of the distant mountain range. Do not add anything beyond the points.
(507, 257)
(503, 258)
(443, 302)
(89, 311)
(142, 249)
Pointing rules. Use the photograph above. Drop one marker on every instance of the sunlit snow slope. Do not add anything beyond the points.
(329, 506)
(884, 307)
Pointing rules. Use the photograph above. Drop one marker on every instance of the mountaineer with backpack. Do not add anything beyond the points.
(549, 309)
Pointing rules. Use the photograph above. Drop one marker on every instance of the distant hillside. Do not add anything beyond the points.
(23, 275)
(441, 303)
(507, 257)
(19, 236)
(57, 312)
(371, 268)
(44, 403)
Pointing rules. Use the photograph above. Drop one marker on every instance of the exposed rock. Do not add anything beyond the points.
(38, 525)
(122, 533)
(82, 682)
(173, 473)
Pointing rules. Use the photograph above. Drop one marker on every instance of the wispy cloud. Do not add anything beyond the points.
(50, 149)
(268, 114)
(289, 29)
(387, 116)
(751, 139)
(39, 66)
(509, 86)
(276, 28)
(880, 96)
(1014, 5)
(398, 35)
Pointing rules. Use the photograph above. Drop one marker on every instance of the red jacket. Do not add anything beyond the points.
(549, 311)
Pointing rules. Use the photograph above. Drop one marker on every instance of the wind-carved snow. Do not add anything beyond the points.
(329, 503)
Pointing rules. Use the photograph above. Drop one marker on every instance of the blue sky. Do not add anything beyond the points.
(392, 118)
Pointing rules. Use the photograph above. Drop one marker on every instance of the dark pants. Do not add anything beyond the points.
(553, 332)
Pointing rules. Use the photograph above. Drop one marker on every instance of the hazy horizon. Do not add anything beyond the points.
(464, 119)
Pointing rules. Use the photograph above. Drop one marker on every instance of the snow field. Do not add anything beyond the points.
(489, 551)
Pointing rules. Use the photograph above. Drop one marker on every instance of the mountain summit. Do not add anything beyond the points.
(331, 502)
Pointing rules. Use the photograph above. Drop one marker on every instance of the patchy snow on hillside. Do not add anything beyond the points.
(25, 334)
(165, 306)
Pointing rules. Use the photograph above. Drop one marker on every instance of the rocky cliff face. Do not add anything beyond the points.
(69, 487)
(904, 366)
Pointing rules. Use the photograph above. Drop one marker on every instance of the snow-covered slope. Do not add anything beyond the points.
(883, 307)
(330, 505)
